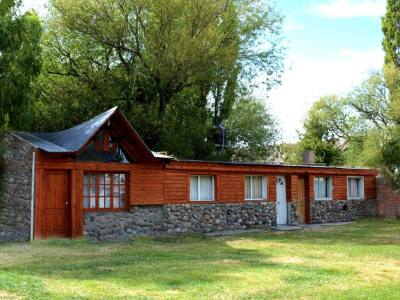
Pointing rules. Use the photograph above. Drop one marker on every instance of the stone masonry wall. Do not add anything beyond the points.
(177, 218)
(330, 211)
(292, 213)
(15, 203)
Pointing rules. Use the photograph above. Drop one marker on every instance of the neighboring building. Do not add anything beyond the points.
(99, 180)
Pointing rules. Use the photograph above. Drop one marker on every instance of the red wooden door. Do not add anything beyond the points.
(57, 214)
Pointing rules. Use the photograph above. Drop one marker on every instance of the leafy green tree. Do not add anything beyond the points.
(148, 56)
(390, 28)
(20, 62)
(252, 132)
(345, 130)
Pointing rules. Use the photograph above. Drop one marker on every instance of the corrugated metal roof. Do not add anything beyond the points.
(69, 140)
(40, 143)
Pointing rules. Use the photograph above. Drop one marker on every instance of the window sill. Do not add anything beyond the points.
(105, 210)
(201, 201)
(256, 200)
(323, 199)
(355, 198)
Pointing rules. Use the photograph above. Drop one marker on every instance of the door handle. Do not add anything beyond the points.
(66, 203)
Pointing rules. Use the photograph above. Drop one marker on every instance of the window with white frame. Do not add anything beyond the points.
(255, 187)
(323, 188)
(355, 187)
(202, 188)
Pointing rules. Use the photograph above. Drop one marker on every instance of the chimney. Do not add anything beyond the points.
(308, 157)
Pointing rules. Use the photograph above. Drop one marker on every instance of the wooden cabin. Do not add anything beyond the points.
(100, 180)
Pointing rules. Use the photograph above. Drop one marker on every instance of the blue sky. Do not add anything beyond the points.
(332, 46)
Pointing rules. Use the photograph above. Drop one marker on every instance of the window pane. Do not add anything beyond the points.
(257, 187)
(101, 179)
(108, 190)
(101, 190)
(206, 188)
(101, 202)
(92, 190)
(316, 187)
(98, 189)
(116, 202)
(248, 187)
(85, 190)
(86, 202)
(323, 187)
(116, 191)
(354, 187)
(194, 187)
(92, 202)
(108, 178)
(122, 178)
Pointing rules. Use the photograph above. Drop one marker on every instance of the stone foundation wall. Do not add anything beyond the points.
(292, 213)
(15, 203)
(177, 218)
(330, 211)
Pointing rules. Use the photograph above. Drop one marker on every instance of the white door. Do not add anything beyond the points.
(281, 208)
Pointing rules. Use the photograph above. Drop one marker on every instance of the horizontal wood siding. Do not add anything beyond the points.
(370, 187)
(339, 187)
(231, 187)
(147, 186)
(176, 187)
(310, 194)
(271, 188)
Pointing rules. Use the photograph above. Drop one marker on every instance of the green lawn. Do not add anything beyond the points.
(345, 262)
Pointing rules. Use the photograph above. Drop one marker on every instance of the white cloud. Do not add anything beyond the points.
(307, 79)
(349, 8)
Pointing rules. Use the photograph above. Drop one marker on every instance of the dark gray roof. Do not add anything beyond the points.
(69, 140)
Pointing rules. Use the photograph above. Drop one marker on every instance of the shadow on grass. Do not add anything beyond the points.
(184, 263)
(161, 264)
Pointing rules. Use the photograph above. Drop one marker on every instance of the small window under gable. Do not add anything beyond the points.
(104, 147)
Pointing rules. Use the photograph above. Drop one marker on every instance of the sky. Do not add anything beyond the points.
(332, 45)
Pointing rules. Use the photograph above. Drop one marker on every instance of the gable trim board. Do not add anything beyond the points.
(156, 195)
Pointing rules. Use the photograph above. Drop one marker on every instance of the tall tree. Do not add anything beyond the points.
(252, 131)
(341, 129)
(390, 28)
(20, 61)
(148, 55)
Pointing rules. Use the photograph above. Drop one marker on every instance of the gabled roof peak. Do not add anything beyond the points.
(74, 139)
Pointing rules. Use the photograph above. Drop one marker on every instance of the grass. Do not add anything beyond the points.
(358, 261)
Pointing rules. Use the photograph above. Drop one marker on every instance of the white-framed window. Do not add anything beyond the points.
(323, 188)
(355, 187)
(255, 187)
(202, 188)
